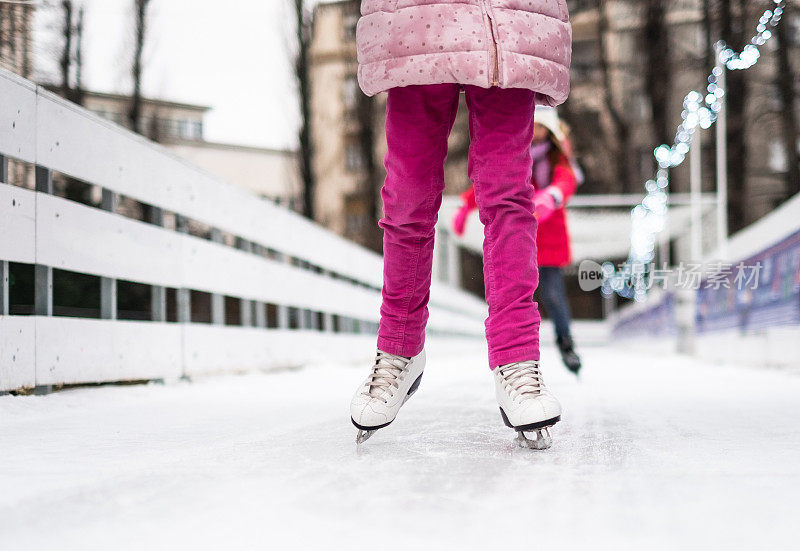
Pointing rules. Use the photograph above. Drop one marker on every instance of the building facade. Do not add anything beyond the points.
(161, 120)
(16, 38)
(268, 173)
(340, 200)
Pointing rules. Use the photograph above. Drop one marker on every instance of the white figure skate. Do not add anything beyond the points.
(525, 403)
(392, 381)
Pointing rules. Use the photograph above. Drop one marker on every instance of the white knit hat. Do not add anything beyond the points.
(548, 117)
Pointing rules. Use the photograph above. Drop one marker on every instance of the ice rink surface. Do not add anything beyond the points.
(654, 452)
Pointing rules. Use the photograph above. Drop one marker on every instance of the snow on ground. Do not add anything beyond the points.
(655, 451)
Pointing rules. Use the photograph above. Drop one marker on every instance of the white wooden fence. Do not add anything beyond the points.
(280, 259)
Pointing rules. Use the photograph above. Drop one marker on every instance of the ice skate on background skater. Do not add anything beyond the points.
(525, 403)
(566, 346)
(392, 381)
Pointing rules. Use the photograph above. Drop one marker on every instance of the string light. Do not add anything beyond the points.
(700, 110)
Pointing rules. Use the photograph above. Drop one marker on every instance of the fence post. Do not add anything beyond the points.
(685, 312)
(217, 300)
(43, 275)
(283, 310)
(245, 305)
(158, 294)
(108, 286)
(453, 263)
(260, 314)
(664, 255)
(4, 301)
(260, 308)
(283, 316)
(327, 317)
(305, 315)
(696, 170)
(440, 264)
(608, 305)
(184, 296)
(722, 158)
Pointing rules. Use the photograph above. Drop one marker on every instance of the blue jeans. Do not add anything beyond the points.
(554, 296)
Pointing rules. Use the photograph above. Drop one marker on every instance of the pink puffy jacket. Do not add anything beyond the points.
(505, 43)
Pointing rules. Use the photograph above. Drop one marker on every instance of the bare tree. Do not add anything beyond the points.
(16, 51)
(27, 41)
(732, 27)
(70, 85)
(15, 37)
(71, 56)
(303, 22)
(370, 178)
(786, 80)
(79, 52)
(4, 15)
(622, 132)
(67, 31)
(658, 68)
(708, 31)
(140, 22)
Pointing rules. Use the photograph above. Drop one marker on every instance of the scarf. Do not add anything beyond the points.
(541, 164)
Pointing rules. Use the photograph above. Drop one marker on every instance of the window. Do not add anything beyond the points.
(646, 163)
(185, 129)
(794, 31)
(350, 92)
(580, 5)
(167, 127)
(350, 23)
(197, 130)
(354, 161)
(111, 116)
(777, 159)
(585, 62)
(356, 214)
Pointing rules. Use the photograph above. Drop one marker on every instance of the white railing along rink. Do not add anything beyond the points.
(772, 345)
(36, 227)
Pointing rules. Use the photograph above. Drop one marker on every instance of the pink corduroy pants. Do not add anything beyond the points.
(418, 122)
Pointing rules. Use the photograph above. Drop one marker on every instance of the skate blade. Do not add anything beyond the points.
(542, 439)
(363, 436)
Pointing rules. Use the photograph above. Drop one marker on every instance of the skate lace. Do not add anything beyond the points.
(522, 379)
(386, 375)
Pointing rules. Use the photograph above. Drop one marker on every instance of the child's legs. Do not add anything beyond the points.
(418, 122)
(554, 296)
(501, 130)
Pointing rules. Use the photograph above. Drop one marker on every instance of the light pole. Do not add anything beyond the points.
(695, 197)
(722, 156)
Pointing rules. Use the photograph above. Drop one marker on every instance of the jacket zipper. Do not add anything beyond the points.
(496, 68)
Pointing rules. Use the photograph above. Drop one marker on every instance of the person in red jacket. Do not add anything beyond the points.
(555, 178)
